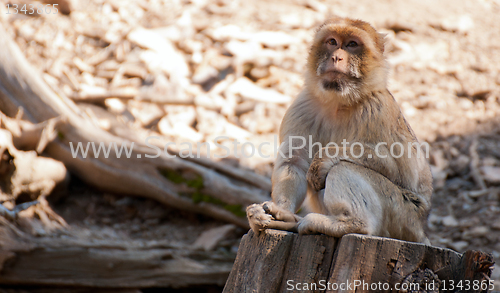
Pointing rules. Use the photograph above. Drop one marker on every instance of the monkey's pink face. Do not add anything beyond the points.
(346, 60)
(338, 61)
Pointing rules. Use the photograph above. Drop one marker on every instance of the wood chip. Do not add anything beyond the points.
(75, 84)
(491, 174)
(474, 164)
(270, 39)
(101, 56)
(94, 93)
(247, 89)
(106, 74)
(209, 239)
(83, 66)
(179, 129)
(134, 70)
(161, 54)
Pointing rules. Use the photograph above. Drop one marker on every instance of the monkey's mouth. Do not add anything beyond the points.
(336, 74)
(334, 85)
(337, 81)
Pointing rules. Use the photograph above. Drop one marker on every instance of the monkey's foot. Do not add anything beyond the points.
(279, 213)
(312, 224)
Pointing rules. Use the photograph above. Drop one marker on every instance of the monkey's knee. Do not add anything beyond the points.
(351, 177)
(353, 198)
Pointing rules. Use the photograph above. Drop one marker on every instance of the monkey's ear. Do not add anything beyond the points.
(381, 41)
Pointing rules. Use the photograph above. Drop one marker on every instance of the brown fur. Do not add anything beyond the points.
(346, 97)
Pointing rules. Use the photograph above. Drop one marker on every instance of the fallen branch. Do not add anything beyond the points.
(12, 214)
(172, 181)
(97, 263)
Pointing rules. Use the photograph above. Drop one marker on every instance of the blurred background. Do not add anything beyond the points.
(191, 72)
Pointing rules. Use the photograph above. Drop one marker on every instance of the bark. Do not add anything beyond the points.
(278, 261)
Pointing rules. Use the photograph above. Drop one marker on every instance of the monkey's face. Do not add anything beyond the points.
(346, 59)
(338, 62)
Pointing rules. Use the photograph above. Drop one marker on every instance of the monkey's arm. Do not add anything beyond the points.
(289, 177)
(288, 193)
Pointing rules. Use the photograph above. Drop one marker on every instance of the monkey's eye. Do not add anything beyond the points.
(352, 44)
(332, 42)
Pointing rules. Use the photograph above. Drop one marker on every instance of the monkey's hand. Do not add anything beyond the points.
(320, 166)
(268, 215)
(258, 219)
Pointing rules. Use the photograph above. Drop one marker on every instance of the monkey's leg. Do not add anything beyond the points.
(359, 200)
(326, 158)
(352, 204)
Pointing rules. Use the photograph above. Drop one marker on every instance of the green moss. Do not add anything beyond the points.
(177, 178)
(196, 183)
(197, 196)
(172, 176)
(236, 209)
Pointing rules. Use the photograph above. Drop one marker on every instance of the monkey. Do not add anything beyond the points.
(345, 109)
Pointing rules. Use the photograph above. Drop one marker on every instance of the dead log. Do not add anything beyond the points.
(278, 261)
(97, 263)
(64, 290)
(222, 192)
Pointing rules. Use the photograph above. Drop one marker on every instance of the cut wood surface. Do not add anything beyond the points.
(278, 261)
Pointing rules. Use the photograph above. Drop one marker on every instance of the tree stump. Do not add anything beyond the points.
(279, 261)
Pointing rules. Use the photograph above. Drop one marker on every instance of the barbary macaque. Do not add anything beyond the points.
(346, 144)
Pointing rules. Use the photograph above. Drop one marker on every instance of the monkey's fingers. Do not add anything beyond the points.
(257, 217)
(285, 226)
(279, 213)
